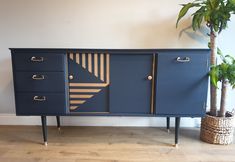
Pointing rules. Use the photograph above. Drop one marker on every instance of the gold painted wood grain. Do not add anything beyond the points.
(107, 68)
(102, 66)
(89, 63)
(73, 107)
(88, 84)
(96, 64)
(153, 81)
(80, 96)
(85, 90)
(77, 101)
(71, 56)
(77, 58)
(84, 60)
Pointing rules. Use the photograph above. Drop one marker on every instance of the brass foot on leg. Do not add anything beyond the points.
(168, 131)
(176, 146)
(45, 143)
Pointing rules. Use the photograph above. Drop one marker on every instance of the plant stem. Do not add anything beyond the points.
(213, 90)
(223, 98)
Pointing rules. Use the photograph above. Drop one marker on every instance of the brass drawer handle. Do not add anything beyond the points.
(38, 77)
(39, 98)
(37, 59)
(183, 60)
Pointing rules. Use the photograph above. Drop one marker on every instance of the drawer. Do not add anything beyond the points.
(38, 62)
(40, 81)
(40, 104)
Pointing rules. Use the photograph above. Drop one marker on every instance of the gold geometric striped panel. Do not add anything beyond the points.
(96, 64)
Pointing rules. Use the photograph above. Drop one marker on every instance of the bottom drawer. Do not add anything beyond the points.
(40, 104)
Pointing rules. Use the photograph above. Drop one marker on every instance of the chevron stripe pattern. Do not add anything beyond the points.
(97, 64)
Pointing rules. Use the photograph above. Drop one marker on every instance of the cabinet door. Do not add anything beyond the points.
(182, 82)
(130, 90)
(88, 82)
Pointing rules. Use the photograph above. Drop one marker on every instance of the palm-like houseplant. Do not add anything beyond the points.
(224, 73)
(215, 14)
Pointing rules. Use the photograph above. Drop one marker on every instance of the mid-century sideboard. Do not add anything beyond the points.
(110, 82)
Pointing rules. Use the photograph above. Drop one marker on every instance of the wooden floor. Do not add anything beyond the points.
(107, 144)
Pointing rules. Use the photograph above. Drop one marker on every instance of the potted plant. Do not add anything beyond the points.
(219, 129)
(215, 14)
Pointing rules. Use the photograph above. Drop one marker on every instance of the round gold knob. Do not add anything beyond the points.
(150, 77)
(70, 77)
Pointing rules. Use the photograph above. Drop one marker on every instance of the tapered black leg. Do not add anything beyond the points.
(177, 126)
(58, 122)
(44, 129)
(168, 124)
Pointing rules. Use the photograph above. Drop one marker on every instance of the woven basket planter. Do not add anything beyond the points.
(217, 130)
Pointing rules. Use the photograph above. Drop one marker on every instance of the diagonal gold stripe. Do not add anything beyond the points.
(73, 107)
(102, 66)
(89, 63)
(84, 60)
(71, 56)
(77, 101)
(88, 84)
(96, 64)
(77, 58)
(85, 90)
(107, 68)
(81, 96)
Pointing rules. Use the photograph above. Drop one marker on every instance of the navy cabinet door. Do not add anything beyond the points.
(130, 90)
(182, 82)
(88, 82)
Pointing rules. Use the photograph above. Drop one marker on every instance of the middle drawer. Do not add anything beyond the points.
(40, 81)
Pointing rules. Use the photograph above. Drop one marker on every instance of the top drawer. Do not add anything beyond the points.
(38, 62)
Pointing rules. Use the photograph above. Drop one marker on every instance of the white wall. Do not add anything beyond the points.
(93, 24)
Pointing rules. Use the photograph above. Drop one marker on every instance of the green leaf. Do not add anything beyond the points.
(214, 76)
(197, 18)
(195, 22)
(219, 52)
(214, 3)
(184, 10)
(232, 2)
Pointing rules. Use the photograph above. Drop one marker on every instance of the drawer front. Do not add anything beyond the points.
(40, 104)
(181, 84)
(40, 81)
(38, 62)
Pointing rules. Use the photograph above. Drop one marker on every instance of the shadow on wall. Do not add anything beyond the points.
(6, 87)
(164, 34)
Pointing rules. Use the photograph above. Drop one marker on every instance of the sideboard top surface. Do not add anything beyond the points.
(112, 51)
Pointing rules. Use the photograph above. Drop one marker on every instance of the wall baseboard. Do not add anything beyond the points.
(11, 119)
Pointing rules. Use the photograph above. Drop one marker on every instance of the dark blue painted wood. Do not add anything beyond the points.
(22, 62)
(127, 93)
(130, 91)
(52, 82)
(181, 88)
(53, 105)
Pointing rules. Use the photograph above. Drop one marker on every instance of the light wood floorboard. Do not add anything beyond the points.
(108, 144)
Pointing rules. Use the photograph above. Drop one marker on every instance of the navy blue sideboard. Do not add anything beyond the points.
(122, 82)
